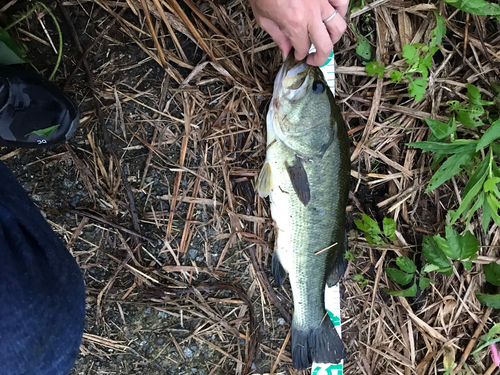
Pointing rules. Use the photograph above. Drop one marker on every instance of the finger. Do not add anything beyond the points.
(322, 42)
(336, 28)
(301, 43)
(340, 5)
(283, 42)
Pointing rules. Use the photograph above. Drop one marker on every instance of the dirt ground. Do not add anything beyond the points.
(155, 199)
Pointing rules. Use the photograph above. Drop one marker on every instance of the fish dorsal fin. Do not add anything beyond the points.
(265, 181)
(300, 182)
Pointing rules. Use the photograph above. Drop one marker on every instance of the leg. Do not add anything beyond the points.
(42, 296)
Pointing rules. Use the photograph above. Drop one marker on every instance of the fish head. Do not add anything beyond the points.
(303, 108)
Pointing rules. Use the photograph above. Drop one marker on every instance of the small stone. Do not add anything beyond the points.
(36, 197)
(188, 353)
(75, 200)
(67, 183)
(281, 321)
(160, 341)
(148, 311)
(194, 369)
(194, 348)
(193, 253)
(120, 357)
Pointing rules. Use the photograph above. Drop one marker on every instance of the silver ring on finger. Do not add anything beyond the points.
(331, 17)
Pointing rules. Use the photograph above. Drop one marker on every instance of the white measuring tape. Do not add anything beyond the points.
(332, 295)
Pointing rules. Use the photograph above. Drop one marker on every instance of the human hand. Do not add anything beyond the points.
(294, 23)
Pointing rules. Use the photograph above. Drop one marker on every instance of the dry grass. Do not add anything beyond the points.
(187, 115)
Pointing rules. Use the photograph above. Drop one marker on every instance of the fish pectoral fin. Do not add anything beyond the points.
(337, 266)
(265, 181)
(300, 182)
(279, 272)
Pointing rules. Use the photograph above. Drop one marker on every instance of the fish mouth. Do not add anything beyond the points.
(292, 78)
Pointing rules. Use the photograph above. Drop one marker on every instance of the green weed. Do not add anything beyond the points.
(472, 157)
(418, 61)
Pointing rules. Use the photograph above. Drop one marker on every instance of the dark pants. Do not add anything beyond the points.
(42, 295)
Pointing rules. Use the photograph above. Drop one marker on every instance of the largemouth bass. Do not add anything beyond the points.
(306, 176)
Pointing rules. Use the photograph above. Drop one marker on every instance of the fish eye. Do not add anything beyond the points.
(318, 87)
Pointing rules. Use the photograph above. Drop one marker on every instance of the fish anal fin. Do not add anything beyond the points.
(337, 265)
(265, 181)
(300, 182)
(279, 272)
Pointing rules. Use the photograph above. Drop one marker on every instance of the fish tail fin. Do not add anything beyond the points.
(319, 345)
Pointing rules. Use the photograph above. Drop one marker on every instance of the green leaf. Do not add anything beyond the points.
(457, 246)
(494, 206)
(486, 218)
(410, 292)
(492, 134)
(367, 224)
(492, 273)
(491, 186)
(479, 202)
(349, 256)
(429, 267)
(433, 253)
(474, 95)
(496, 87)
(409, 52)
(471, 115)
(443, 244)
(449, 168)
(424, 282)
(370, 228)
(406, 264)
(459, 146)
(446, 271)
(467, 264)
(389, 226)
(492, 332)
(438, 33)
(416, 89)
(360, 279)
(472, 189)
(477, 7)
(490, 300)
(469, 245)
(44, 132)
(375, 68)
(396, 76)
(440, 129)
(7, 56)
(364, 49)
(402, 278)
(10, 52)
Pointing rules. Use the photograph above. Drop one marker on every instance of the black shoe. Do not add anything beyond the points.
(34, 113)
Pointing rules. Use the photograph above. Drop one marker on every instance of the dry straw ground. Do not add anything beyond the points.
(155, 194)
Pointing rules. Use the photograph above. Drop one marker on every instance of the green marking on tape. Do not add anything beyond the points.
(335, 319)
(330, 370)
